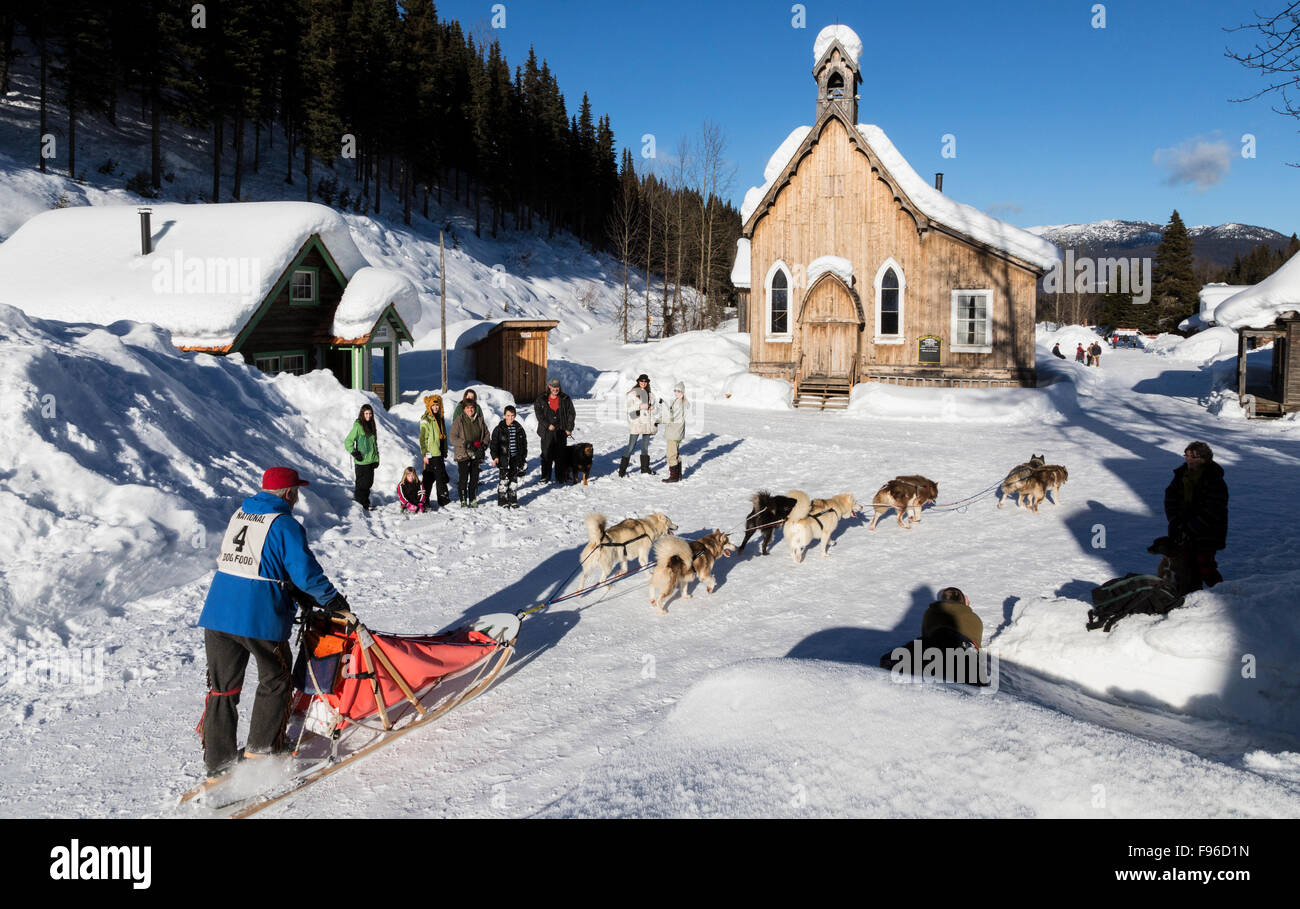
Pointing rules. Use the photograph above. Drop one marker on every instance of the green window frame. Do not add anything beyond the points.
(305, 271)
(274, 362)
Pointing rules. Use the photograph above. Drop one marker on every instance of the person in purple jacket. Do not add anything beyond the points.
(264, 561)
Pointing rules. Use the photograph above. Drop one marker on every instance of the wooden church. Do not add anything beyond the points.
(852, 268)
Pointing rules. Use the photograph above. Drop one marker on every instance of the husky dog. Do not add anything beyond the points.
(1013, 484)
(768, 509)
(807, 523)
(1043, 480)
(626, 540)
(577, 462)
(910, 493)
(679, 561)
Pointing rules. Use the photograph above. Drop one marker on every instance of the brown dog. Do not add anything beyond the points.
(910, 493)
(679, 561)
(1045, 479)
(1016, 477)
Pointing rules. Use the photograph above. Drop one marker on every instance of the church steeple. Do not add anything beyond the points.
(835, 55)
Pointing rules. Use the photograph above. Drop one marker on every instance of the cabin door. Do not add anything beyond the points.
(829, 329)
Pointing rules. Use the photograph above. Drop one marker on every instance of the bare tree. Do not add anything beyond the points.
(713, 177)
(1276, 54)
(622, 228)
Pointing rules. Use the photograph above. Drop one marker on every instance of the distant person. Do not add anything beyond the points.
(510, 455)
(1196, 505)
(1056, 350)
(469, 397)
(555, 420)
(433, 447)
(249, 611)
(1115, 341)
(1079, 354)
(469, 438)
(363, 444)
(1094, 354)
(640, 423)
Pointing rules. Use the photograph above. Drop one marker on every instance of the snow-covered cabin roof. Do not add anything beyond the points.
(740, 268)
(1260, 305)
(964, 219)
(847, 37)
(1211, 295)
(210, 268)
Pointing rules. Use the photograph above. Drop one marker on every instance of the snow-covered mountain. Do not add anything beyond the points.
(1214, 243)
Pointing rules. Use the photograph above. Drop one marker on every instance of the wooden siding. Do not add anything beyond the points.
(286, 326)
(1288, 364)
(514, 358)
(835, 204)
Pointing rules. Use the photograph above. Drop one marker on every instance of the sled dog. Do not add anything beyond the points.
(1016, 477)
(766, 509)
(1043, 480)
(577, 462)
(626, 540)
(809, 522)
(904, 494)
(681, 561)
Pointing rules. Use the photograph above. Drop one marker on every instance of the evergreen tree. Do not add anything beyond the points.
(1175, 286)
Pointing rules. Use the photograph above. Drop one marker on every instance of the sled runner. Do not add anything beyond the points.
(357, 691)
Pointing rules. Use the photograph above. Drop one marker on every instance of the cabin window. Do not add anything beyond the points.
(302, 287)
(891, 284)
(778, 304)
(972, 321)
(294, 363)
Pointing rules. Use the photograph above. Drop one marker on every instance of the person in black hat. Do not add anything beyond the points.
(641, 424)
(1196, 504)
(555, 420)
(264, 561)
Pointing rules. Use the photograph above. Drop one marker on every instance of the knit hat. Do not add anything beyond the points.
(680, 386)
(282, 478)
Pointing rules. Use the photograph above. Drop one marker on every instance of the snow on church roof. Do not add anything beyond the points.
(740, 268)
(935, 205)
(839, 266)
(847, 37)
(1259, 306)
(210, 268)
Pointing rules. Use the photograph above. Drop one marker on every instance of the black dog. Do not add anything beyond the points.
(770, 510)
(577, 461)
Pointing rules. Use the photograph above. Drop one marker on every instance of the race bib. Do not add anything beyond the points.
(241, 547)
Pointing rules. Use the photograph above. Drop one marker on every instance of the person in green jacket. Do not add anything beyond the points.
(949, 620)
(469, 441)
(433, 446)
(363, 445)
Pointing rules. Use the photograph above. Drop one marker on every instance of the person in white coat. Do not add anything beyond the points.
(673, 418)
(641, 424)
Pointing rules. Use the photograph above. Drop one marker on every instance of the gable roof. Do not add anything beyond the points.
(911, 191)
(1260, 306)
(211, 267)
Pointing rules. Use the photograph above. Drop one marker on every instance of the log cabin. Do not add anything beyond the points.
(852, 268)
(1267, 311)
(281, 283)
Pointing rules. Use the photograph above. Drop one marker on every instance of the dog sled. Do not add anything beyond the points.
(357, 690)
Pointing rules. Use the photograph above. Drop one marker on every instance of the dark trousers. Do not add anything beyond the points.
(508, 483)
(553, 454)
(467, 478)
(436, 471)
(365, 480)
(1196, 568)
(227, 660)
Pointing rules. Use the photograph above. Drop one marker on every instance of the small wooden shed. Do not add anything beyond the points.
(1282, 393)
(513, 356)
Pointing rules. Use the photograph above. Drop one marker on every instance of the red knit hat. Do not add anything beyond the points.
(282, 478)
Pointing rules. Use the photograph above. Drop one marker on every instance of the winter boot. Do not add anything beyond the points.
(622, 466)
(674, 473)
(645, 465)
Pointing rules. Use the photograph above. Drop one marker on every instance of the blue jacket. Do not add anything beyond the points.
(262, 608)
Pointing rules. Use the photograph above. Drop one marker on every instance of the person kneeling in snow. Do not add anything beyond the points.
(410, 492)
(949, 646)
(510, 455)
(249, 611)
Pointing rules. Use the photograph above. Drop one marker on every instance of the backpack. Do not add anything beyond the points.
(1130, 595)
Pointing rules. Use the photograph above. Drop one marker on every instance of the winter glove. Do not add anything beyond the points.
(478, 444)
(356, 456)
(337, 608)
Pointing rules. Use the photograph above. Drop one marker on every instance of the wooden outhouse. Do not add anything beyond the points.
(512, 356)
(1269, 309)
(853, 268)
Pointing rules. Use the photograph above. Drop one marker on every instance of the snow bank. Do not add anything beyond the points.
(1227, 653)
(847, 37)
(877, 400)
(124, 459)
(1260, 305)
(714, 366)
(795, 738)
(1069, 337)
(1204, 347)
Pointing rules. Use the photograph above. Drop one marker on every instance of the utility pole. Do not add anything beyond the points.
(442, 304)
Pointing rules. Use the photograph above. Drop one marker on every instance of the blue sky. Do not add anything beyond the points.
(1055, 121)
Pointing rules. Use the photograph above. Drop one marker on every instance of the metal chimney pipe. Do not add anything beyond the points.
(938, 182)
(146, 236)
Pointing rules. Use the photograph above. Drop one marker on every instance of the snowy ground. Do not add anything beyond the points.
(763, 699)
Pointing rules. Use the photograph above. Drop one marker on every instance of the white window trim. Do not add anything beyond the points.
(901, 337)
(953, 346)
(788, 336)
